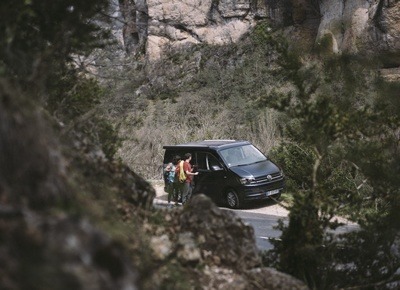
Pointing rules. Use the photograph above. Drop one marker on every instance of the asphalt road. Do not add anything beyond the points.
(263, 217)
(263, 225)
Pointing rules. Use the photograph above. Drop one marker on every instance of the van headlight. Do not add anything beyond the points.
(247, 180)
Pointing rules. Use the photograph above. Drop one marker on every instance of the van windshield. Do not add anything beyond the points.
(242, 155)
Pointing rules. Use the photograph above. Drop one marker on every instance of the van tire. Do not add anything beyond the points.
(232, 199)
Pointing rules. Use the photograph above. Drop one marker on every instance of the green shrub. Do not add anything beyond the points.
(297, 163)
(72, 96)
(325, 45)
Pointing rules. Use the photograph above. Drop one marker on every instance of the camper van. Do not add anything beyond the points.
(231, 172)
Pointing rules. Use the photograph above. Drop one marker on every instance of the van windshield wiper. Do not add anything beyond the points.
(243, 164)
(251, 163)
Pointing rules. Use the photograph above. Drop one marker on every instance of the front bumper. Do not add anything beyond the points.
(265, 191)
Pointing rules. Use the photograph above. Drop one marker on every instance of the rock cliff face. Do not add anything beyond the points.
(348, 26)
(163, 24)
(361, 26)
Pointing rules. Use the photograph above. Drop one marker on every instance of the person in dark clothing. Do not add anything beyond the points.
(188, 184)
(172, 187)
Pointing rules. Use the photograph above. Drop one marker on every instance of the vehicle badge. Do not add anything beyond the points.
(269, 177)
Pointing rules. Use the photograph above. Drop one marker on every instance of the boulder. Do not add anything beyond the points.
(59, 252)
(220, 232)
(229, 254)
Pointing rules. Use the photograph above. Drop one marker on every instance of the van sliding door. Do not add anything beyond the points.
(209, 180)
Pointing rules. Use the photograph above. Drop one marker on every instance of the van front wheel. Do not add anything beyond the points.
(232, 199)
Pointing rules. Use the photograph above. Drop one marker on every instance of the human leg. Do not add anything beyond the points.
(170, 191)
(186, 192)
(177, 192)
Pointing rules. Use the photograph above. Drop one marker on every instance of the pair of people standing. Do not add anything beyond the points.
(179, 179)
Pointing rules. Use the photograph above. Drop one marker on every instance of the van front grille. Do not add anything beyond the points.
(264, 179)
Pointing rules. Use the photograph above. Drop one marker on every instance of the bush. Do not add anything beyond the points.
(297, 162)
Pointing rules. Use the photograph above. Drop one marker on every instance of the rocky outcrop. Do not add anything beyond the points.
(341, 26)
(221, 233)
(46, 240)
(134, 16)
(40, 252)
(203, 236)
(172, 24)
(361, 26)
(32, 169)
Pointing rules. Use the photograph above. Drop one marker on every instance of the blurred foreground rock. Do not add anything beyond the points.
(231, 242)
(218, 242)
(59, 252)
(46, 242)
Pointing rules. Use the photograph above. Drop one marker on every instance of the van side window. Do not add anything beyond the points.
(205, 161)
(212, 161)
(201, 160)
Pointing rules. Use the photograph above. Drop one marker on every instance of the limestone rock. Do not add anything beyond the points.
(161, 246)
(176, 24)
(269, 278)
(63, 252)
(384, 31)
(175, 12)
(228, 249)
(363, 27)
(188, 251)
(351, 26)
(226, 236)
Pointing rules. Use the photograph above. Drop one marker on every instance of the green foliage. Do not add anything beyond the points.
(262, 34)
(324, 46)
(41, 35)
(70, 96)
(339, 115)
(41, 38)
(108, 138)
(296, 163)
(74, 100)
(301, 246)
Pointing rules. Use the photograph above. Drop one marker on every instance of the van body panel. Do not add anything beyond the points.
(256, 170)
(209, 183)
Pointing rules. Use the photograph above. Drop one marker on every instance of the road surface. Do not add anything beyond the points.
(263, 225)
(263, 217)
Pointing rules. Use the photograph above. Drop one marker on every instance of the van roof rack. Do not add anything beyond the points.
(218, 143)
(222, 140)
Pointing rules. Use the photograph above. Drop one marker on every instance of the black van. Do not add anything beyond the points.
(230, 172)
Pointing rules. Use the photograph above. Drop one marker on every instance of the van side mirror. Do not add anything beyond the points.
(216, 168)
